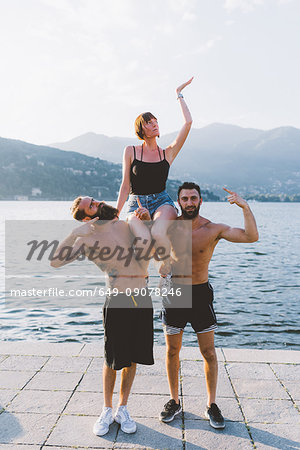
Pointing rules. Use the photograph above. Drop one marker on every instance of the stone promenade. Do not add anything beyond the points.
(51, 394)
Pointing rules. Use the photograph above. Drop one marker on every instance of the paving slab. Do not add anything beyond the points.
(87, 403)
(50, 381)
(197, 386)
(10, 379)
(66, 364)
(196, 368)
(286, 371)
(144, 384)
(264, 356)
(141, 405)
(39, 401)
(194, 408)
(37, 348)
(79, 433)
(271, 389)
(23, 363)
(293, 389)
(159, 352)
(158, 368)
(152, 434)
(25, 428)
(270, 411)
(51, 447)
(2, 358)
(96, 365)
(254, 371)
(194, 354)
(275, 436)
(199, 435)
(21, 447)
(6, 395)
(94, 349)
(91, 382)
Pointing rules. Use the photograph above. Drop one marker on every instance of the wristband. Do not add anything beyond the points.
(179, 96)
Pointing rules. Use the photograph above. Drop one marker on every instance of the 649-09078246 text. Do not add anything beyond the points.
(56, 292)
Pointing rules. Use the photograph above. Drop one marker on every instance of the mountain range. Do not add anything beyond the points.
(29, 171)
(264, 165)
(248, 160)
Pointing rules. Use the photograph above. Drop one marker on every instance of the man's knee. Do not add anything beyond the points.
(132, 366)
(173, 350)
(131, 218)
(209, 354)
(158, 233)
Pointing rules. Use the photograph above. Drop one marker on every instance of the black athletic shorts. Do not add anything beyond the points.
(200, 314)
(128, 330)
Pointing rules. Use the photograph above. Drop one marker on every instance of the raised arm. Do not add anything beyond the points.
(125, 185)
(73, 246)
(249, 233)
(173, 149)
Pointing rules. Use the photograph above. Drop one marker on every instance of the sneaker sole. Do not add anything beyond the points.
(124, 431)
(218, 427)
(172, 418)
(102, 434)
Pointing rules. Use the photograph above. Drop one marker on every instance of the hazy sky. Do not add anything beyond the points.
(73, 66)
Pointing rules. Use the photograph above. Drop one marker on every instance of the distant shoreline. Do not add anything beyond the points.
(251, 200)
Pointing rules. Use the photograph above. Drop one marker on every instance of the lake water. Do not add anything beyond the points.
(256, 285)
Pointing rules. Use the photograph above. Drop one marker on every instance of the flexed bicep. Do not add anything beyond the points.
(233, 234)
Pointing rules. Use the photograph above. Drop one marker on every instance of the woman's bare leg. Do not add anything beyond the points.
(162, 219)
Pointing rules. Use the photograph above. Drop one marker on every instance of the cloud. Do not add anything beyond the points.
(189, 17)
(207, 46)
(181, 6)
(243, 5)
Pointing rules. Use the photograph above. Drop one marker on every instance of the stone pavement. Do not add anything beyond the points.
(51, 394)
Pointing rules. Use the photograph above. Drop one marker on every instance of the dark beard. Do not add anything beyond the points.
(105, 212)
(189, 215)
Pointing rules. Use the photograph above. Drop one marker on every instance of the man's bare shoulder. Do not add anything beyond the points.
(209, 227)
(120, 224)
(216, 228)
(119, 227)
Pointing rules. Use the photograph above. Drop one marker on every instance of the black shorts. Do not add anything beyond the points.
(128, 330)
(200, 314)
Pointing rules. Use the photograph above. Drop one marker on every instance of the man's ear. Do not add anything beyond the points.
(201, 200)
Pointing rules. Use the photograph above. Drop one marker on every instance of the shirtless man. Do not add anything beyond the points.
(198, 292)
(127, 319)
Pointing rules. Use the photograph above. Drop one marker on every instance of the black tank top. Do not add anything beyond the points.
(148, 177)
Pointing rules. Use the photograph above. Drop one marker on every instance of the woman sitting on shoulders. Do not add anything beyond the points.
(145, 172)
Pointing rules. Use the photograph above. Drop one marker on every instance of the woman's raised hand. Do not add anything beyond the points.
(182, 86)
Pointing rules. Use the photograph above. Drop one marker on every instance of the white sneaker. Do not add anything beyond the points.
(123, 418)
(101, 426)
